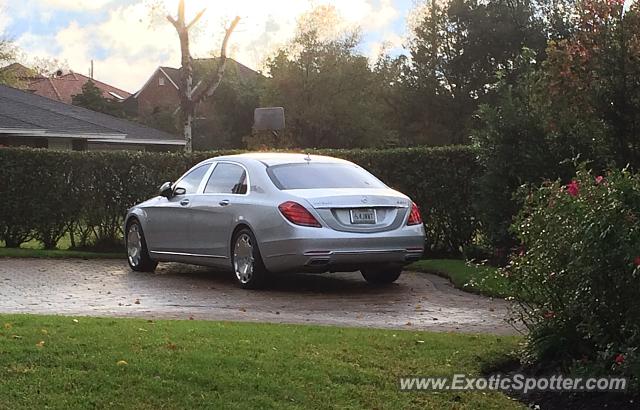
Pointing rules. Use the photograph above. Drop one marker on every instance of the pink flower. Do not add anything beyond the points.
(619, 359)
(636, 261)
(573, 188)
(599, 179)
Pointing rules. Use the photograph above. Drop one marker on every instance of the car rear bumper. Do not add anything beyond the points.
(343, 251)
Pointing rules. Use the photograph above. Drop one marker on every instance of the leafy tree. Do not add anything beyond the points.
(326, 87)
(91, 98)
(162, 119)
(513, 149)
(225, 119)
(583, 101)
(7, 55)
(456, 49)
(592, 84)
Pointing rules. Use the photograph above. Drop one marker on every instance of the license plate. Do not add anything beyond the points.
(363, 216)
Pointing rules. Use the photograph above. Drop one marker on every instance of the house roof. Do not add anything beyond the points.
(64, 87)
(243, 73)
(23, 113)
(21, 72)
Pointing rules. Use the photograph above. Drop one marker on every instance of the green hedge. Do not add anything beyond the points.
(47, 194)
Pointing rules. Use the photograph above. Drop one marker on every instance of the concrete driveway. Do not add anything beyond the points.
(175, 291)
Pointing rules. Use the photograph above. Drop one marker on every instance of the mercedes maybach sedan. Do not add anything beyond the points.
(263, 213)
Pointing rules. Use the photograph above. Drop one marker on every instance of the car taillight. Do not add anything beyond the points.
(414, 216)
(298, 214)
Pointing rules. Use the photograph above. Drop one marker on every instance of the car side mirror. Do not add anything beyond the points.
(179, 192)
(166, 190)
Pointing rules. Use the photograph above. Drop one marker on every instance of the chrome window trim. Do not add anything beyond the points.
(208, 175)
(193, 168)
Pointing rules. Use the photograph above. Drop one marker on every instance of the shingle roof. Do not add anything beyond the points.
(22, 112)
(21, 72)
(200, 65)
(64, 87)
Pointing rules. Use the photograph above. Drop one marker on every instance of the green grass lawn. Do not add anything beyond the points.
(62, 362)
(57, 254)
(33, 249)
(465, 275)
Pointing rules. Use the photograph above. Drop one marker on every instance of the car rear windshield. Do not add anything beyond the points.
(322, 176)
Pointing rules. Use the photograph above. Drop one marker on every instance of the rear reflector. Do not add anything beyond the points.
(414, 216)
(298, 214)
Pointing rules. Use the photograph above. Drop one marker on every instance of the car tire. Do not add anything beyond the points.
(246, 261)
(381, 275)
(137, 251)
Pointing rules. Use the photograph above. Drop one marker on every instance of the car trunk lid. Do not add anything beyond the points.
(357, 210)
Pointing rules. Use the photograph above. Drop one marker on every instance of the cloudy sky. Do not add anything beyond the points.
(128, 43)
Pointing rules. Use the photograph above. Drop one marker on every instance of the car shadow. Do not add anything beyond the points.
(342, 283)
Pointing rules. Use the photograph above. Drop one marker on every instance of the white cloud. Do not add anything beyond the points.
(132, 47)
(389, 43)
(75, 4)
(4, 18)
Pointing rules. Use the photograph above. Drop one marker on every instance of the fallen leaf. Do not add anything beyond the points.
(121, 363)
(44, 331)
(137, 302)
(243, 309)
(8, 326)
(142, 330)
(75, 321)
(190, 317)
(408, 324)
(40, 343)
(16, 337)
(420, 341)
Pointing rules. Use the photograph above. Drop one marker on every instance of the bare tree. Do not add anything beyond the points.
(190, 97)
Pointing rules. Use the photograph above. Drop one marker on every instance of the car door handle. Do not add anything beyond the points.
(224, 202)
(184, 202)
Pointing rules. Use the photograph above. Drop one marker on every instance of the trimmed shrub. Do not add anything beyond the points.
(576, 277)
(49, 193)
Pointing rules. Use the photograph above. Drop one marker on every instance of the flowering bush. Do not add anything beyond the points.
(577, 273)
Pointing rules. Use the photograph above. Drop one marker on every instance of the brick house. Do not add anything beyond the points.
(160, 92)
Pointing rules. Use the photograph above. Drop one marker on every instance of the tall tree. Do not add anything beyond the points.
(7, 55)
(592, 83)
(325, 86)
(190, 97)
(92, 99)
(456, 49)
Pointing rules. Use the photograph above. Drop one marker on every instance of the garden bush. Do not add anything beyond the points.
(47, 194)
(576, 277)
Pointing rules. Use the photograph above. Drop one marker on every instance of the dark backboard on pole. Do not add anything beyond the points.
(268, 119)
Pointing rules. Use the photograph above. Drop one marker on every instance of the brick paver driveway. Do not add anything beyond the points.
(108, 288)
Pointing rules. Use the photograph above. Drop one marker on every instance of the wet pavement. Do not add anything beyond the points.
(176, 291)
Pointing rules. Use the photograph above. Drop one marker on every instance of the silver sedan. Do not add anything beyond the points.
(263, 213)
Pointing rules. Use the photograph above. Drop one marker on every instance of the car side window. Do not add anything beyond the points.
(191, 181)
(227, 179)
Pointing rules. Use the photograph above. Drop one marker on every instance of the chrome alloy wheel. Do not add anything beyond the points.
(134, 245)
(243, 261)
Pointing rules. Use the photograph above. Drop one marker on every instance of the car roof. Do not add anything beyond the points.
(279, 158)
